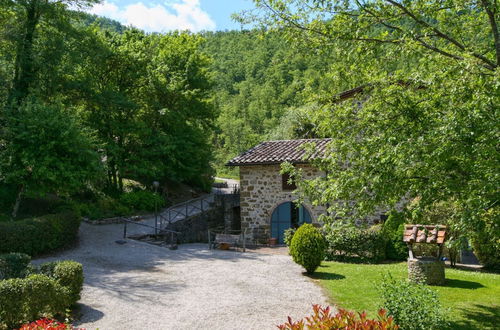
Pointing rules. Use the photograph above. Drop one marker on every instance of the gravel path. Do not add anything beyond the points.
(141, 286)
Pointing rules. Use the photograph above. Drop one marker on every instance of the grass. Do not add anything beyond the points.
(472, 297)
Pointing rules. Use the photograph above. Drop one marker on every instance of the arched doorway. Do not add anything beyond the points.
(288, 215)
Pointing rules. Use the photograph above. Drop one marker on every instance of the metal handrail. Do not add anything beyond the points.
(188, 204)
(172, 232)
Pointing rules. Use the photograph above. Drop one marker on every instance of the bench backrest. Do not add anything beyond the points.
(226, 238)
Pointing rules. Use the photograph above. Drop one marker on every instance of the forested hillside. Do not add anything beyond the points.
(261, 89)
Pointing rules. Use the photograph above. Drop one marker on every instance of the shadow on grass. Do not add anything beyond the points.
(326, 276)
(478, 317)
(451, 283)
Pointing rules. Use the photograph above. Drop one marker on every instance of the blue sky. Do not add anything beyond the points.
(168, 15)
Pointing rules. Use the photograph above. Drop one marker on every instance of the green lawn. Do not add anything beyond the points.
(473, 298)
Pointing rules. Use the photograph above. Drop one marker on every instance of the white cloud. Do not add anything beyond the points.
(183, 15)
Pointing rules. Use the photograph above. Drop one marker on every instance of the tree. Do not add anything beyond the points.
(26, 18)
(428, 122)
(47, 151)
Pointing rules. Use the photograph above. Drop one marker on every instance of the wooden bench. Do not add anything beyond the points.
(226, 239)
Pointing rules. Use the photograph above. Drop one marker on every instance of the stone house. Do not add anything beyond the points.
(266, 197)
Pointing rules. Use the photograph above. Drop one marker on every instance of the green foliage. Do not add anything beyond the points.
(486, 242)
(446, 213)
(425, 122)
(308, 247)
(142, 200)
(288, 235)
(30, 298)
(82, 93)
(413, 306)
(67, 273)
(39, 235)
(393, 229)
(14, 265)
(104, 207)
(261, 89)
(47, 150)
(348, 242)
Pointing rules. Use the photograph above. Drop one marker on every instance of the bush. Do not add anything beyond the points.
(347, 242)
(289, 235)
(308, 247)
(14, 265)
(142, 200)
(486, 241)
(323, 319)
(393, 229)
(104, 207)
(30, 298)
(68, 274)
(45, 323)
(39, 235)
(413, 306)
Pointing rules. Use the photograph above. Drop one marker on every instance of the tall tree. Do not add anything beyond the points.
(29, 14)
(427, 128)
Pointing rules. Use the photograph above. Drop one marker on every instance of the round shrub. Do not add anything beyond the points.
(30, 298)
(68, 274)
(308, 247)
(39, 235)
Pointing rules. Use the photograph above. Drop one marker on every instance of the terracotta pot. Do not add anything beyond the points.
(273, 241)
(224, 246)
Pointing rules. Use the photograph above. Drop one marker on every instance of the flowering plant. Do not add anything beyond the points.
(46, 324)
(323, 319)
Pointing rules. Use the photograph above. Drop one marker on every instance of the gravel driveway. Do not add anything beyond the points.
(141, 286)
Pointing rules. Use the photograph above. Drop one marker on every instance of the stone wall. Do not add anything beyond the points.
(261, 192)
(426, 270)
(218, 218)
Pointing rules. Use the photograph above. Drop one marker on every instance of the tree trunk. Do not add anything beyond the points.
(24, 69)
(18, 202)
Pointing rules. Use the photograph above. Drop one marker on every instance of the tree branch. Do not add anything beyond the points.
(494, 27)
(489, 64)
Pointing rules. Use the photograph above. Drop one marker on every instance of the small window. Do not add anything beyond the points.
(285, 179)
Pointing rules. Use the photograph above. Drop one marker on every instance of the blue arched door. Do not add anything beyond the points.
(287, 215)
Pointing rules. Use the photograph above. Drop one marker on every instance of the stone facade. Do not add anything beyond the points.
(261, 192)
(426, 270)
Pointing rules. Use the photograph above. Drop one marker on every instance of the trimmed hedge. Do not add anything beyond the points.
(68, 274)
(14, 265)
(308, 247)
(347, 242)
(49, 293)
(26, 299)
(39, 235)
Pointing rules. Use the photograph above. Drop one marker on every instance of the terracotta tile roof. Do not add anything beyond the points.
(277, 152)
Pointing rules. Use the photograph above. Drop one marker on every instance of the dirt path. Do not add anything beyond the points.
(140, 286)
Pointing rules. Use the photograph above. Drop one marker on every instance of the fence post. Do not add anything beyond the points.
(244, 241)
(125, 229)
(209, 241)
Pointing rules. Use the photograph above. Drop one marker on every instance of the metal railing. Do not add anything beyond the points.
(163, 232)
(183, 210)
